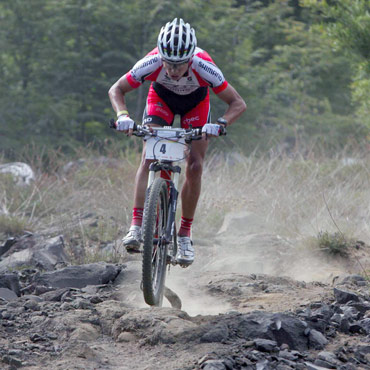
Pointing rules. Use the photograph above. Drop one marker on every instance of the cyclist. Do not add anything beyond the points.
(180, 74)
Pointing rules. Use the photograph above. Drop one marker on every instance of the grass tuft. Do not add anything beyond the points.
(333, 243)
(12, 226)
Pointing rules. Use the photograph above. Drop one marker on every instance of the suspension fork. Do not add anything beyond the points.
(170, 229)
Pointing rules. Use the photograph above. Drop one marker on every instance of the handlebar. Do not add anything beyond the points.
(143, 130)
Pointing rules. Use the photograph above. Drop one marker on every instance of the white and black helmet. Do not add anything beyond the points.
(176, 41)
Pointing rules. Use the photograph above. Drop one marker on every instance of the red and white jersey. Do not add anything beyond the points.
(202, 72)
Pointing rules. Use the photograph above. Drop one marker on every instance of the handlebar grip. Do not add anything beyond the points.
(223, 131)
(113, 124)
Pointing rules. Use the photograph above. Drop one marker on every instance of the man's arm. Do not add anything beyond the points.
(117, 94)
(236, 104)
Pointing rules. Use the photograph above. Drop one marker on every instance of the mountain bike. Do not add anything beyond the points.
(165, 146)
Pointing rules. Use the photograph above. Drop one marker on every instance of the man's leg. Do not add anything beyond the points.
(141, 181)
(189, 197)
(132, 240)
(192, 185)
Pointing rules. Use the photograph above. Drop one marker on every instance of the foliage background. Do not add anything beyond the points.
(302, 67)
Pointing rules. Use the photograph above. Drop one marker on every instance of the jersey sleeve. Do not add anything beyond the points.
(207, 70)
(144, 68)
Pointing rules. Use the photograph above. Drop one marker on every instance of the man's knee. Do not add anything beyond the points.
(145, 163)
(195, 168)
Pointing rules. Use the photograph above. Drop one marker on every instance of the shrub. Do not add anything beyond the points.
(335, 243)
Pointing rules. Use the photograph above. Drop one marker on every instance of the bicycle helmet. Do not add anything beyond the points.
(176, 42)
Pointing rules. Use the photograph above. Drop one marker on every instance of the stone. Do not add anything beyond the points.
(217, 333)
(291, 356)
(37, 338)
(352, 279)
(126, 337)
(282, 328)
(7, 294)
(316, 340)
(10, 281)
(213, 365)
(79, 276)
(328, 357)
(343, 296)
(311, 366)
(7, 245)
(12, 361)
(265, 345)
(32, 305)
(55, 295)
(35, 252)
(365, 325)
(85, 332)
(21, 172)
(262, 365)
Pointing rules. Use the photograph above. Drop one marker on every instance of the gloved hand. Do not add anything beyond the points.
(124, 123)
(211, 129)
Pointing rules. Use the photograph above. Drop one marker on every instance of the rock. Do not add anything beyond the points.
(12, 361)
(85, 332)
(32, 251)
(7, 294)
(263, 365)
(352, 279)
(343, 296)
(7, 245)
(265, 345)
(291, 356)
(10, 281)
(54, 295)
(327, 359)
(158, 325)
(32, 305)
(365, 325)
(82, 304)
(311, 366)
(21, 172)
(50, 254)
(79, 276)
(126, 337)
(37, 338)
(217, 333)
(213, 365)
(282, 328)
(316, 340)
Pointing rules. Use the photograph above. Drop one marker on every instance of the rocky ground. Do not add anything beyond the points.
(250, 301)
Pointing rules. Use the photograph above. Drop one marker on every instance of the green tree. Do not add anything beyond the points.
(347, 24)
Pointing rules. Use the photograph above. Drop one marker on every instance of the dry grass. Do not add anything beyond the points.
(297, 197)
(91, 203)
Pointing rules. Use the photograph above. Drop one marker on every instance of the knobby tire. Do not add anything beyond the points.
(155, 253)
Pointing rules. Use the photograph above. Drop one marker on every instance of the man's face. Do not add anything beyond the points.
(175, 71)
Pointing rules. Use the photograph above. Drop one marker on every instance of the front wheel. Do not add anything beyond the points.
(154, 243)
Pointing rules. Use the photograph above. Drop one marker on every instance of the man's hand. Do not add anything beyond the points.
(211, 129)
(125, 123)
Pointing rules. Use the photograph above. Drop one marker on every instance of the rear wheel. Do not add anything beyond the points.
(154, 244)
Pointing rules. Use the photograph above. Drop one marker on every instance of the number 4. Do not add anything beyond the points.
(163, 149)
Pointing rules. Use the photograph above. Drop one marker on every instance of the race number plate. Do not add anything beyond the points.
(166, 146)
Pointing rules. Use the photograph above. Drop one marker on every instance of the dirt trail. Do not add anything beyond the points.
(242, 270)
